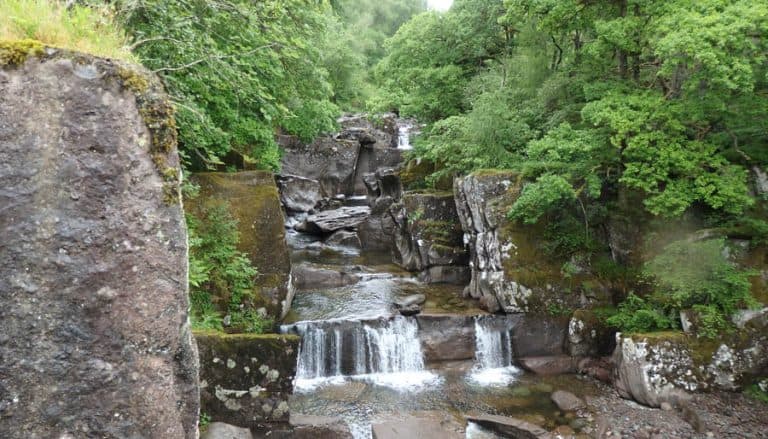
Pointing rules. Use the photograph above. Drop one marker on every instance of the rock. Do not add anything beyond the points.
(760, 180)
(319, 427)
(94, 335)
(508, 426)
(552, 365)
(247, 378)
(664, 367)
(666, 406)
(567, 401)
(447, 337)
(445, 274)
(381, 129)
(332, 220)
(412, 428)
(310, 276)
(299, 194)
(378, 230)
(331, 162)
(220, 430)
(413, 299)
(510, 270)
(409, 310)
(598, 368)
(253, 200)
(539, 336)
(588, 336)
(564, 432)
(427, 232)
(371, 159)
(344, 238)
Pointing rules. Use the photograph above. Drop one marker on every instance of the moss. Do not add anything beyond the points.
(247, 337)
(13, 53)
(133, 81)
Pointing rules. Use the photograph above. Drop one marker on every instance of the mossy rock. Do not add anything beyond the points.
(14, 53)
(246, 379)
(253, 200)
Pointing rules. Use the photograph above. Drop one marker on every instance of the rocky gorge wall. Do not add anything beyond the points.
(94, 335)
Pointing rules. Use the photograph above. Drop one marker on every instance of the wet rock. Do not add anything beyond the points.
(319, 427)
(380, 130)
(539, 336)
(344, 238)
(329, 221)
(220, 430)
(447, 337)
(428, 234)
(552, 365)
(299, 194)
(332, 162)
(598, 368)
(567, 401)
(372, 158)
(94, 339)
(246, 379)
(306, 276)
(253, 200)
(413, 428)
(509, 427)
(445, 274)
(384, 189)
(409, 310)
(414, 299)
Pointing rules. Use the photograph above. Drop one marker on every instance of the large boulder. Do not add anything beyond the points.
(94, 337)
(319, 427)
(428, 235)
(331, 162)
(246, 379)
(447, 337)
(380, 130)
(329, 221)
(384, 189)
(252, 199)
(312, 276)
(373, 158)
(299, 194)
(510, 269)
(663, 367)
(509, 427)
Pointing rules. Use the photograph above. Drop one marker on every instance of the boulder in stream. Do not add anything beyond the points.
(306, 276)
(509, 427)
(329, 221)
(331, 162)
(94, 335)
(298, 194)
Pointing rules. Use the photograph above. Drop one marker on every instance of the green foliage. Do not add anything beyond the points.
(546, 193)
(758, 391)
(238, 71)
(637, 315)
(221, 278)
(693, 276)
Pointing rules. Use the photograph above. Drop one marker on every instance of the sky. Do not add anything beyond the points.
(440, 5)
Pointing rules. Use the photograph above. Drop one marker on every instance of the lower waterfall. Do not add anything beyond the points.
(385, 352)
(493, 352)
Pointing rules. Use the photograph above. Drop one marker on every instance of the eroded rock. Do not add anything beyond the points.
(220, 430)
(509, 427)
(329, 221)
(299, 194)
(319, 427)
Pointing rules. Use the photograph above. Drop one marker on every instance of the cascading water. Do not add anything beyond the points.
(384, 352)
(493, 352)
(404, 136)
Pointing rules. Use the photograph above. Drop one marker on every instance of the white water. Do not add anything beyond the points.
(493, 353)
(387, 354)
(404, 137)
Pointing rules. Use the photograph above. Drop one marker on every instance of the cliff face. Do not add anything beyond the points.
(94, 336)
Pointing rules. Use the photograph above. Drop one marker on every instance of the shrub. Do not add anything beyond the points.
(221, 278)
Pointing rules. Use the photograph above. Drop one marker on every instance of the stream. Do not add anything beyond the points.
(361, 361)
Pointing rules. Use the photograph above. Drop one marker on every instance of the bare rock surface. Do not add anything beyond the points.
(319, 427)
(329, 221)
(94, 337)
(220, 430)
(509, 427)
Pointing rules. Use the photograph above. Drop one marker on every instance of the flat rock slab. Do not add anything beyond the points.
(509, 427)
(94, 339)
(220, 430)
(319, 427)
(549, 365)
(329, 221)
(413, 428)
(308, 276)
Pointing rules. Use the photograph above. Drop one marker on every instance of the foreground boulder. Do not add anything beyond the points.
(663, 367)
(428, 237)
(252, 199)
(509, 427)
(246, 379)
(94, 339)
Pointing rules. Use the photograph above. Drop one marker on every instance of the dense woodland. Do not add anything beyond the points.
(591, 101)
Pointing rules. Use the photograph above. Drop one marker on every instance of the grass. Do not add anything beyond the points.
(83, 29)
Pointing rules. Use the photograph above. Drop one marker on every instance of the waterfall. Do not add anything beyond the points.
(404, 137)
(385, 352)
(493, 352)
